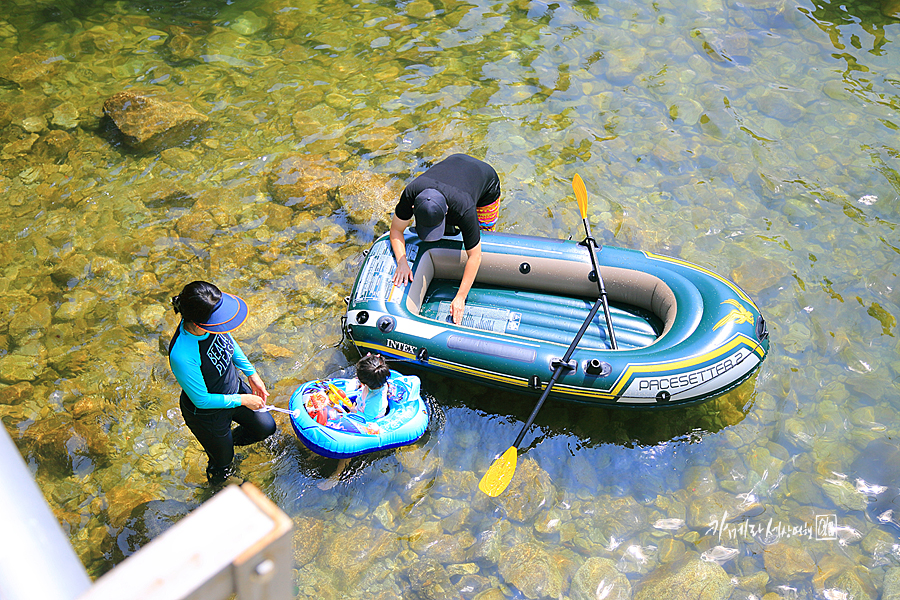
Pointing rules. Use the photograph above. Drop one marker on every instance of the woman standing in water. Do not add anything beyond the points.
(205, 360)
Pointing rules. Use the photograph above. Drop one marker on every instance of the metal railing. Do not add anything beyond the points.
(237, 544)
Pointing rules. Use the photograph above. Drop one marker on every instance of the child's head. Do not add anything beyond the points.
(372, 371)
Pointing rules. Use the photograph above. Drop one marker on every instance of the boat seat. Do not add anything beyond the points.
(642, 306)
(540, 316)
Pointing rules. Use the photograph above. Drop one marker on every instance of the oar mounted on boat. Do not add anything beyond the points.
(591, 243)
(502, 470)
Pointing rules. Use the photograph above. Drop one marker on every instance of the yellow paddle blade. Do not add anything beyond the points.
(580, 195)
(500, 473)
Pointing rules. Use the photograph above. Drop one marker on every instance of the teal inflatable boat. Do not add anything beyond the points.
(684, 334)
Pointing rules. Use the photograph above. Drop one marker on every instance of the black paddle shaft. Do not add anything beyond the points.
(563, 365)
(590, 243)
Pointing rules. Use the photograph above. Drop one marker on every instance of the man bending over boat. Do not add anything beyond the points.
(458, 194)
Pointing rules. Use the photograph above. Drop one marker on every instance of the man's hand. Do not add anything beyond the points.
(457, 308)
(473, 261)
(403, 274)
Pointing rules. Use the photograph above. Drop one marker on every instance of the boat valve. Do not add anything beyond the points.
(762, 331)
(385, 324)
(595, 366)
(422, 355)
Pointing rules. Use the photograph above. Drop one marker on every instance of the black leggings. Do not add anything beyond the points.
(212, 428)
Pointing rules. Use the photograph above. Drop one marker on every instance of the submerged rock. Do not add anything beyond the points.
(528, 492)
(308, 532)
(779, 106)
(430, 580)
(786, 563)
(149, 124)
(891, 584)
(25, 70)
(891, 8)
(532, 571)
(704, 511)
(876, 470)
(368, 197)
(685, 579)
(14, 394)
(356, 550)
(54, 145)
(122, 501)
(303, 180)
(182, 47)
(598, 578)
(65, 116)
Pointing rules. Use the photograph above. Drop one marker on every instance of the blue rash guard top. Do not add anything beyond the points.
(206, 367)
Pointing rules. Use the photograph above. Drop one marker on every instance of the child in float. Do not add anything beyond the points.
(371, 384)
(372, 374)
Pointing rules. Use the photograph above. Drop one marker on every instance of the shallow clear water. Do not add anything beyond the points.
(758, 139)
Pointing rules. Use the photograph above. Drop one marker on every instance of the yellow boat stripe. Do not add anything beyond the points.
(569, 390)
(631, 370)
(690, 265)
(452, 366)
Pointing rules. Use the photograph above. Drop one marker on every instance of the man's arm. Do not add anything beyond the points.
(473, 262)
(403, 274)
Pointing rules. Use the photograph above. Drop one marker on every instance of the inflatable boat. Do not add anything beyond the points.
(323, 419)
(683, 333)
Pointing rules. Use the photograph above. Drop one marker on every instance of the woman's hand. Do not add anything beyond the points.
(258, 387)
(252, 402)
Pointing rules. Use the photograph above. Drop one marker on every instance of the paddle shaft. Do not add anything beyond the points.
(590, 243)
(562, 366)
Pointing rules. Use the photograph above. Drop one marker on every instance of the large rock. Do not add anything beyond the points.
(598, 578)
(54, 145)
(716, 508)
(308, 534)
(149, 124)
(15, 368)
(14, 394)
(369, 197)
(688, 578)
(26, 70)
(303, 180)
(430, 580)
(532, 571)
(617, 517)
(528, 492)
(355, 551)
(786, 563)
(891, 586)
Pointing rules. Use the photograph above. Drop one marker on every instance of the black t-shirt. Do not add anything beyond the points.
(466, 183)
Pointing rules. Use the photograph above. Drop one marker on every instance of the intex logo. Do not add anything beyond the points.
(408, 348)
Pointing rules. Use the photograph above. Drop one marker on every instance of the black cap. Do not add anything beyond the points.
(430, 208)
